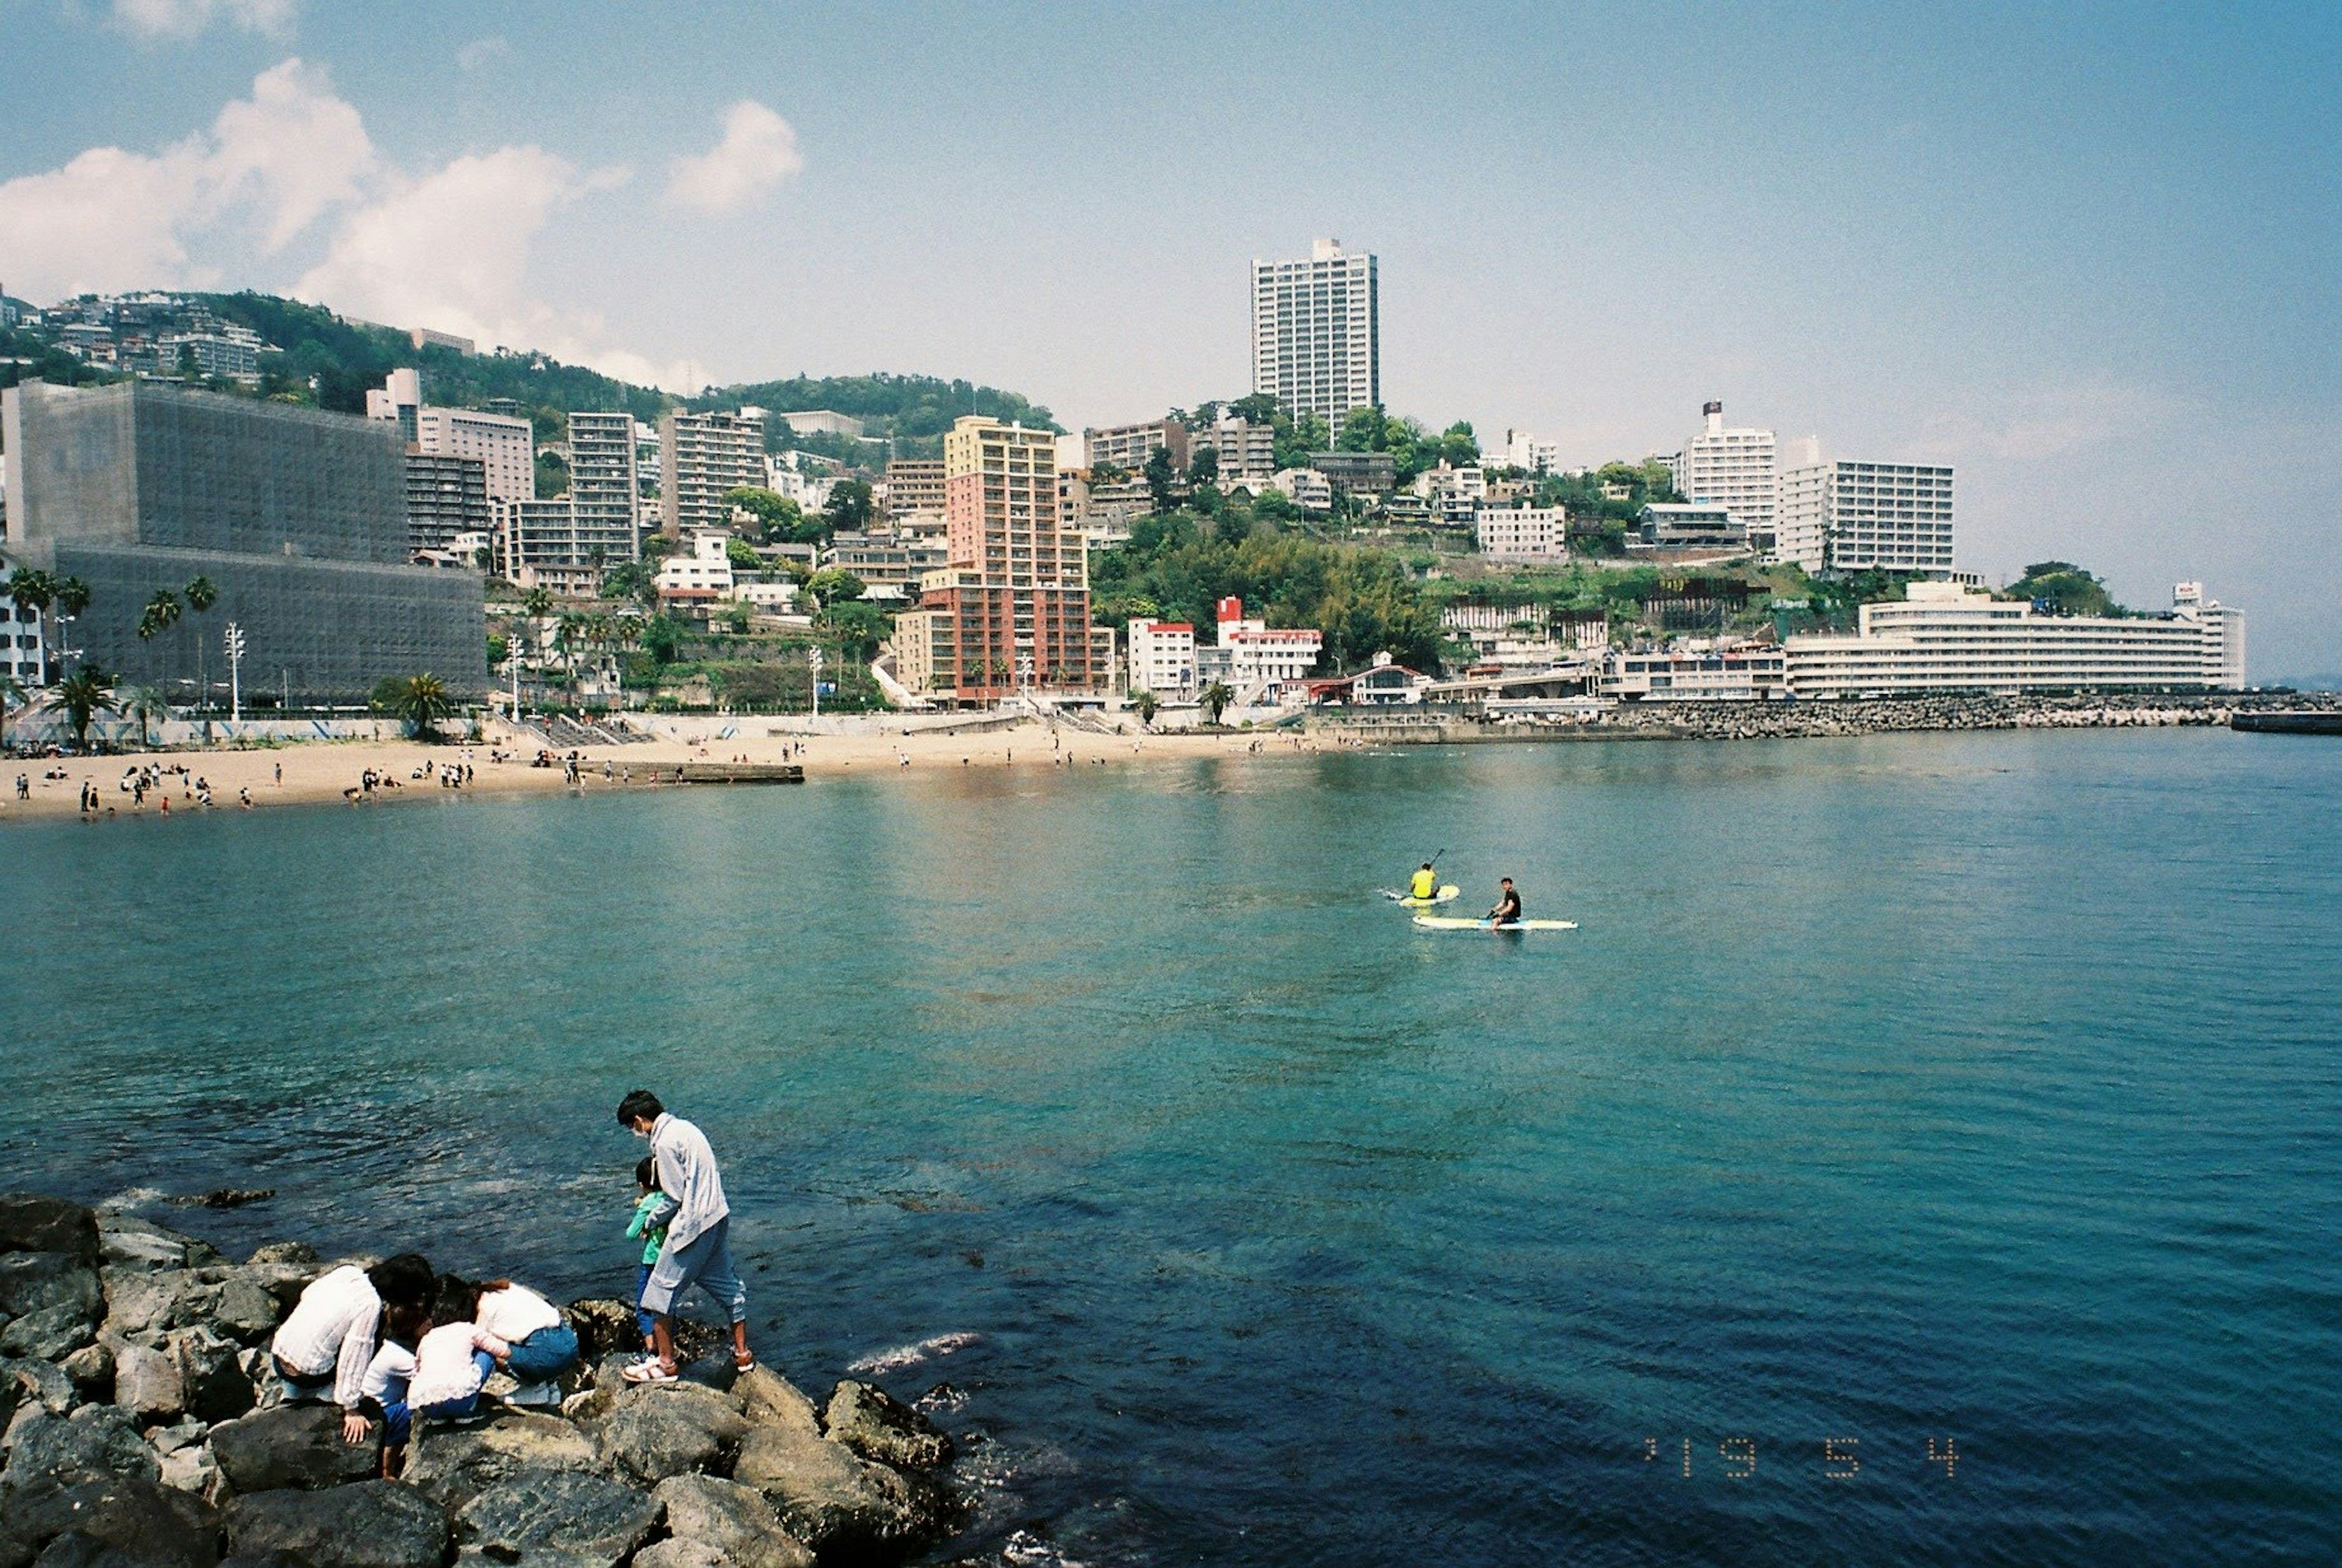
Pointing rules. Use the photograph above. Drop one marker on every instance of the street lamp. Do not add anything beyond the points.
(234, 639)
(813, 659)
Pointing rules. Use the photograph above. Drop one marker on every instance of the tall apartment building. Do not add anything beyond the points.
(1733, 469)
(1016, 597)
(1129, 446)
(557, 544)
(605, 488)
(1316, 327)
(1526, 452)
(1863, 516)
(504, 445)
(914, 485)
(702, 455)
(297, 516)
(1246, 451)
(1524, 532)
(445, 496)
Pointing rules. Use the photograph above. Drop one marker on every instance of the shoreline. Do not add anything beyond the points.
(322, 772)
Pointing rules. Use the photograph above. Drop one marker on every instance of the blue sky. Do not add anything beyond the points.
(2088, 254)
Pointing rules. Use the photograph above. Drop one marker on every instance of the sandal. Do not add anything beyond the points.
(647, 1370)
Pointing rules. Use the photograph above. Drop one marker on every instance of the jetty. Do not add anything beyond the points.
(2290, 722)
(740, 773)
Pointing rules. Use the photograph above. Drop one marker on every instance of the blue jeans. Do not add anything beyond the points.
(545, 1354)
(458, 1409)
(398, 1420)
(705, 1261)
(644, 1319)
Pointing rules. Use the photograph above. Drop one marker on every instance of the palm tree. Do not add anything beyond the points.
(11, 690)
(1216, 698)
(84, 694)
(422, 700)
(201, 594)
(34, 590)
(1146, 704)
(144, 703)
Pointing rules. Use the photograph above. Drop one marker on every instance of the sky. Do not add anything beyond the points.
(2088, 254)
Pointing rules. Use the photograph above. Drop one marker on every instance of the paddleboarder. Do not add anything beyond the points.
(1424, 884)
(1508, 907)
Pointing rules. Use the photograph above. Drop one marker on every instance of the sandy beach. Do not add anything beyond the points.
(312, 773)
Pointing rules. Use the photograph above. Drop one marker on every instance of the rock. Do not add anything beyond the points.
(368, 1524)
(839, 1504)
(244, 1309)
(737, 1522)
(285, 1281)
(881, 1428)
(185, 1433)
(651, 1433)
(211, 1378)
(42, 1381)
(191, 1469)
(148, 1383)
(681, 1555)
(606, 1326)
(51, 1333)
(228, 1197)
(285, 1253)
(453, 1464)
(117, 1518)
(90, 1370)
(49, 1454)
(141, 1244)
(772, 1400)
(588, 1516)
(145, 1301)
(32, 1224)
(31, 1281)
(293, 1446)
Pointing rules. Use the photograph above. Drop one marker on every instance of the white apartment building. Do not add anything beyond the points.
(1524, 534)
(1950, 637)
(1732, 469)
(1129, 446)
(24, 653)
(1863, 516)
(1316, 329)
(1521, 450)
(532, 537)
(1162, 657)
(1262, 660)
(702, 455)
(1696, 672)
(1247, 452)
(604, 487)
(705, 574)
(505, 446)
(1445, 483)
(1305, 487)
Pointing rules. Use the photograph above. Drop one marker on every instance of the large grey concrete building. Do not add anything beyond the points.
(297, 516)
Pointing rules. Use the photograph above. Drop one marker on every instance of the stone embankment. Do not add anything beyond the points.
(136, 1431)
(1767, 721)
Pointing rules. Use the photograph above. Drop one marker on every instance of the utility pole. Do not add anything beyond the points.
(813, 659)
(234, 673)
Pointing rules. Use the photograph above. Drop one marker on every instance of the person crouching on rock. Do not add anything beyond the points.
(387, 1379)
(544, 1345)
(452, 1363)
(697, 1222)
(326, 1345)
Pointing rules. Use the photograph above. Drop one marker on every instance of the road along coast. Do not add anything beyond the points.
(134, 1389)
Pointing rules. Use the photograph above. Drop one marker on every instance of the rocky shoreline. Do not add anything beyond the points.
(138, 1430)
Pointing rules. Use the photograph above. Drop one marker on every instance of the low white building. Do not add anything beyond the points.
(1162, 655)
(1696, 672)
(1246, 451)
(1262, 660)
(703, 574)
(1951, 637)
(1523, 451)
(1696, 526)
(1305, 487)
(1524, 532)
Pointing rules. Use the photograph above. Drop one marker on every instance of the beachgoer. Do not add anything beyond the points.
(1424, 884)
(1508, 906)
(653, 1236)
(452, 1363)
(698, 1223)
(244, 795)
(323, 1348)
(383, 1392)
(543, 1344)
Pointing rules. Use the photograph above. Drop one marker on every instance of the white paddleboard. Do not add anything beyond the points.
(1455, 923)
(1449, 893)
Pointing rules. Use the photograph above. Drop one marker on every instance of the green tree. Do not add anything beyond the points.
(2062, 588)
(1216, 698)
(836, 586)
(84, 694)
(537, 602)
(32, 590)
(743, 555)
(161, 614)
(779, 520)
(419, 702)
(1147, 706)
(552, 475)
(662, 638)
(1162, 479)
(144, 703)
(201, 594)
(499, 649)
(1458, 447)
(848, 510)
(1204, 468)
(854, 628)
(1363, 430)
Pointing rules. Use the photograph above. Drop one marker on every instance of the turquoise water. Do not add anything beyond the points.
(1964, 1096)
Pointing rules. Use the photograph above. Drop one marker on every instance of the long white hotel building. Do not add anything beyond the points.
(1949, 637)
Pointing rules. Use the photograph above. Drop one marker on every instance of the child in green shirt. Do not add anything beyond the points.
(653, 1239)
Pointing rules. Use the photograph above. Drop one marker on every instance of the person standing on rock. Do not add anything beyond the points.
(697, 1222)
(330, 1338)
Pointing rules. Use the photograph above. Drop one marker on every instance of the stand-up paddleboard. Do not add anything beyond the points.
(1456, 923)
(1449, 893)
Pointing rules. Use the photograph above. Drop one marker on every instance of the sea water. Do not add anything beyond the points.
(1927, 1149)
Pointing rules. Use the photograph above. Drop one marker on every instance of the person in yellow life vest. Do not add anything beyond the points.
(1423, 884)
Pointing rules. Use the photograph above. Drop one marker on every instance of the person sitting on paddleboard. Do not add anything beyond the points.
(1508, 906)
(1424, 884)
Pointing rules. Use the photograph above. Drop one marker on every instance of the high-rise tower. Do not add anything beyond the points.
(1317, 331)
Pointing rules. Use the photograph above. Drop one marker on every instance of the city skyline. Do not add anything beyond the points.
(2085, 264)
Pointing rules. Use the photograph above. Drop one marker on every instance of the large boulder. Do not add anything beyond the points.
(370, 1525)
(734, 1520)
(211, 1375)
(681, 1555)
(587, 1517)
(141, 1301)
(836, 1503)
(298, 1254)
(880, 1427)
(606, 1326)
(40, 1381)
(141, 1244)
(771, 1400)
(31, 1281)
(122, 1519)
(51, 1333)
(148, 1383)
(453, 1464)
(47, 1452)
(90, 1370)
(245, 1308)
(293, 1446)
(650, 1433)
(30, 1222)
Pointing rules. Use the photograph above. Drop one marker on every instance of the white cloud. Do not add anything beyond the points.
(185, 18)
(108, 220)
(758, 150)
(295, 146)
(480, 52)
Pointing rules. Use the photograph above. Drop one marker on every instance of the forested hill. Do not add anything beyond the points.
(330, 361)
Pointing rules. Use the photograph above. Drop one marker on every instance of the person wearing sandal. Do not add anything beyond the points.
(697, 1222)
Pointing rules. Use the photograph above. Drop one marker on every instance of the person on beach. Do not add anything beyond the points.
(454, 1361)
(389, 1376)
(653, 1235)
(698, 1222)
(1508, 906)
(1424, 884)
(324, 1347)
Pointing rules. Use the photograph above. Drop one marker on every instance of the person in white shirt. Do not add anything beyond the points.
(387, 1378)
(544, 1345)
(452, 1363)
(330, 1338)
(697, 1222)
